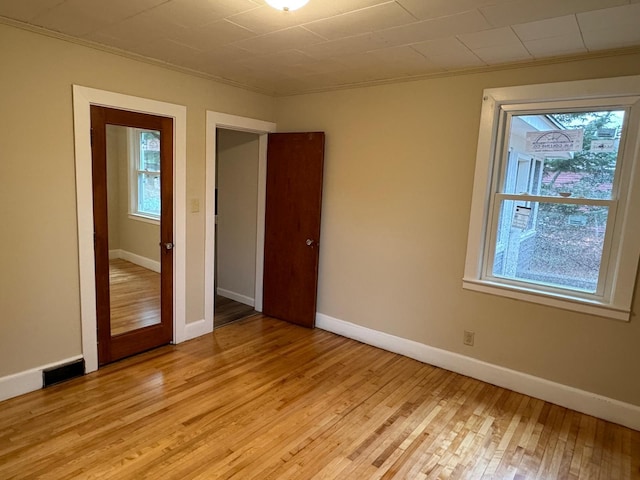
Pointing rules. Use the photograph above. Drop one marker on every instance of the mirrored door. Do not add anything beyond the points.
(133, 220)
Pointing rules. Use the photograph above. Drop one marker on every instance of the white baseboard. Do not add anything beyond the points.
(582, 401)
(197, 329)
(236, 296)
(145, 262)
(27, 381)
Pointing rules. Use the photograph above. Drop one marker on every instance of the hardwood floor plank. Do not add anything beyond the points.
(262, 399)
(228, 311)
(135, 299)
(134, 296)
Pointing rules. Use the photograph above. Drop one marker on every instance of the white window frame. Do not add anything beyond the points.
(622, 244)
(133, 137)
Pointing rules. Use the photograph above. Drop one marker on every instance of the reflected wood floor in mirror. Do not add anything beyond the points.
(263, 399)
(134, 296)
(229, 311)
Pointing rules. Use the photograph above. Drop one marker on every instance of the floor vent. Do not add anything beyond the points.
(58, 374)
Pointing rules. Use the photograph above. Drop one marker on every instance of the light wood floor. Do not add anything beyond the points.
(262, 399)
(135, 299)
(134, 293)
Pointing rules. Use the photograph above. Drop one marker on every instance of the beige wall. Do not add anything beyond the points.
(237, 180)
(398, 180)
(116, 155)
(398, 176)
(39, 281)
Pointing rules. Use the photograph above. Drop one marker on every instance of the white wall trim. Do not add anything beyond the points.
(83, 98)
(582, 401)
(139, 260)
(141, 218)
(261, 211)
(27, 381)
(196, 329)
(236, 296)
(244, 124)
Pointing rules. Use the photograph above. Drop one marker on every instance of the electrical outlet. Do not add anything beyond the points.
(468, 338)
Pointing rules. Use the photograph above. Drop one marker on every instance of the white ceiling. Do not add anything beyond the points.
(331, 43)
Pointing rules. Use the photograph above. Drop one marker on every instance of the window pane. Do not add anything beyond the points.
(551, 244)
(578, 153)
(149, 193)
(150, 151)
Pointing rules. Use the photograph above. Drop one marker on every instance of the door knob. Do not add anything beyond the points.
(167, 246)
(309, 242)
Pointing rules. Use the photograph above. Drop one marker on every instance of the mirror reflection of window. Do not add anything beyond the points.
(144, 156)
(133, 191)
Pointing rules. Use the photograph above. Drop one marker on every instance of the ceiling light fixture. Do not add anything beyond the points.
(287, 5)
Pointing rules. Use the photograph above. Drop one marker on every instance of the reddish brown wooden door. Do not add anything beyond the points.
(292, 226)
(112, 347)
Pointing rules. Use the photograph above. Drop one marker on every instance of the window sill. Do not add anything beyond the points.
(565, 302)
(143, 218)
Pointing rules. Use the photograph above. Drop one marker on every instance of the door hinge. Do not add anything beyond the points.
(91, 136)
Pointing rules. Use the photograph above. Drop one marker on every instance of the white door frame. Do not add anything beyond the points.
(244, 124)
(83, 98)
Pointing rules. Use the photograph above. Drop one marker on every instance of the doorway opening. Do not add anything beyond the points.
(236, 148)
(288, 212)
(236, 195)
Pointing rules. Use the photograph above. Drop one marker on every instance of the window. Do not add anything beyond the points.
(553, 218)
(144, 161)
